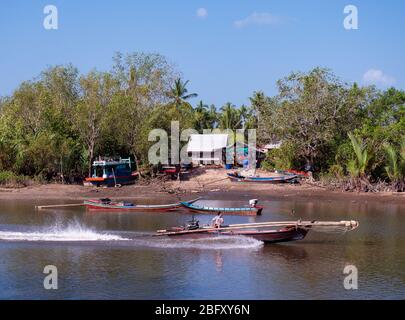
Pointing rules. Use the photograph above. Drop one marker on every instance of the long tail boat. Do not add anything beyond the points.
(268, 232)
(108, 205)
(252, 210)
(235, 177)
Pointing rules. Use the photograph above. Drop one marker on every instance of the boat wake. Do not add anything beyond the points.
(74, 232)
(217, 243)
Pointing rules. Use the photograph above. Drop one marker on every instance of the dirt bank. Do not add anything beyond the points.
(209, 183)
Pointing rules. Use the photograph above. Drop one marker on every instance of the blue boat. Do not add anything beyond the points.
(236, 177)
(112, 173)
(243, 211)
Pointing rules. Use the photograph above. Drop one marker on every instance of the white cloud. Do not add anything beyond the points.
(263, 18)
(375, 76)
(202, 13)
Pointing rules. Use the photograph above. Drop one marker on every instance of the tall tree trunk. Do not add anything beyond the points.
(137, 165)
(62, 178)
(91, 154)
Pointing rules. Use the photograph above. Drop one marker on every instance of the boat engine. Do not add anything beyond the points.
(193, 224)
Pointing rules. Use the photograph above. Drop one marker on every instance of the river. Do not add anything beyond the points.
(111, 255)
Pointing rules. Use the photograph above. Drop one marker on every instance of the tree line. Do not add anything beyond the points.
(53, 126)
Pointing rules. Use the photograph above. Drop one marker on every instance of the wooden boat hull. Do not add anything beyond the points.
(243, 211)
(106, 207)
(115, 206)
(267, 236)
(281, 179)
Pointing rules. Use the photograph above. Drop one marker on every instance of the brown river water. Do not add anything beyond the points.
(108, 255)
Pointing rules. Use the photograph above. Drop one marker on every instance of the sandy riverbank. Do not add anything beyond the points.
(210, 183)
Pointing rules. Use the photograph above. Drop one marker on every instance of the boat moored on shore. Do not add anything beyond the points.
(111, 173)
(236, 177)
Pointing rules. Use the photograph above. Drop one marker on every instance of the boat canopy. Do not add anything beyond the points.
(105, 163)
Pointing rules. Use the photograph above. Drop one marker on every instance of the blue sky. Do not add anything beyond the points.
(227, 49)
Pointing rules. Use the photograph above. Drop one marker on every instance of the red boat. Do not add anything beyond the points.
(108, 205)
(298, 173)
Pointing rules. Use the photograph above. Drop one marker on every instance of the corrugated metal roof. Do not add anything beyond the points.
(207, 142)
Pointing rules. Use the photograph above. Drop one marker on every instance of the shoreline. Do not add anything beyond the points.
(173, 191)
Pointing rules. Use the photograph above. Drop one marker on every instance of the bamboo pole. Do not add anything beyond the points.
(59, 206)
(301, 223)
(165, 232)
(349, 224)
(82, 204)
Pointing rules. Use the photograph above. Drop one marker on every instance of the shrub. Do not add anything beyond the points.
(280, 159)
(336, 171)
(10, 179)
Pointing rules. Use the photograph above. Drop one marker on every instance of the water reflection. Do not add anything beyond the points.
(218, 261)
(285, 252)
(142, 268)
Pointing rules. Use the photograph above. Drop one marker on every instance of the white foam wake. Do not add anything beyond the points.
(215, 243)
(73, 232)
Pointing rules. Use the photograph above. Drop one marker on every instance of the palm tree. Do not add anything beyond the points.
(258, 100)
(243, 114)
(357, 167)
(201, 107)
(213, 116)
(178, 93)
(247, 117)
(201, 116)
(395, 166)
(259, 103)
(229, 118)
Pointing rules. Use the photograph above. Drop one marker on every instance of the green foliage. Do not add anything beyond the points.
(357, 167)
(10, 179)
(344, 153)
(337, 171)
(52, 128)
(263, 110)
(280, 159)
(384, 124)
(6, 177)
(179, 93)
(205, 117)
(314, 111)
(55, 126)
(230, 117)
(395, 165)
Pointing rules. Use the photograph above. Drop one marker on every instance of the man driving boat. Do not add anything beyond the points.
(217, 221)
